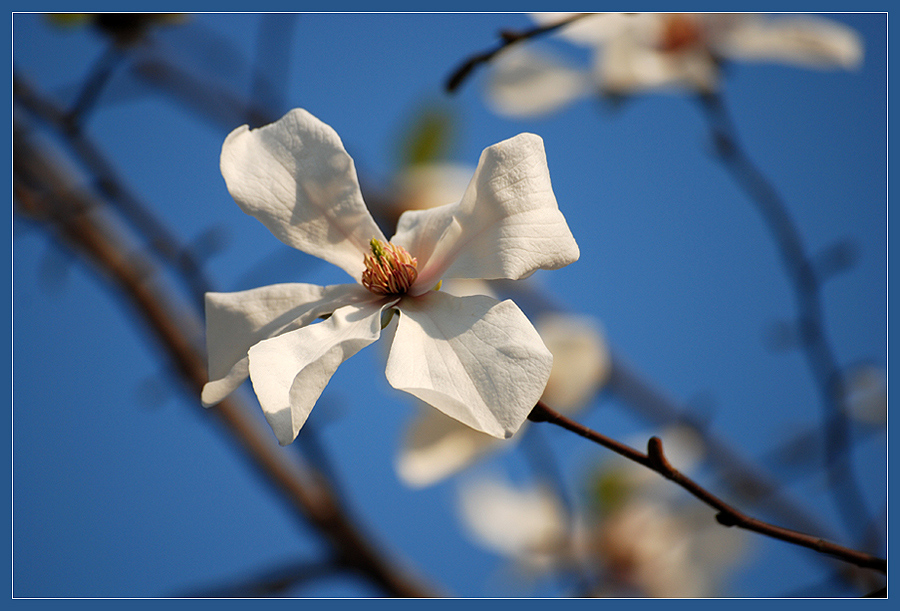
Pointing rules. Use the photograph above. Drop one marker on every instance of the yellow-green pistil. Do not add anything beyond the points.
(390, 270)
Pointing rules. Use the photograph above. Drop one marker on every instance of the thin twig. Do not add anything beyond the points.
(746, 481)
(727, 515)
(507, 38)
(743, 478)
(94, 85)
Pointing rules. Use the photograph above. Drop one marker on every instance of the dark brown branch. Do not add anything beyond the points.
(742, 478)
(746, 481)
(508, 38)
(655, 460)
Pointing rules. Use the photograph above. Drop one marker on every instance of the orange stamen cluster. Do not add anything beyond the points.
(390, 270)
(680, 32)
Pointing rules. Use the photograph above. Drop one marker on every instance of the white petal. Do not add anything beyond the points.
(527, 524)
(507, 224)
(806, 40)
(290, 371)
(627, 66)
(476, 359)
(237, 321)
(526, 83)
(296, 178)
(466, 287)
(581, 360)
(436, 446)
(547, 18)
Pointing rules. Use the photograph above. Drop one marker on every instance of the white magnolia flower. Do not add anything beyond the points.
(435, 447)
(635, 52)
(476, 359)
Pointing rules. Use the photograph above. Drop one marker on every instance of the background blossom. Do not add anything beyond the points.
(646, 51)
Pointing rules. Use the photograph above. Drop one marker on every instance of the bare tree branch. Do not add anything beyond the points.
(508, 38)
(655, 460)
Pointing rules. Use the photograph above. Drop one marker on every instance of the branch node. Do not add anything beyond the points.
(657, 457)
(726, 519)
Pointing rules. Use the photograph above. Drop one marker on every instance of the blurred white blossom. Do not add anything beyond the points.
(649, 538)
(429, 185)
(659, 550)
(636, 534)
(581, 360)
(636, 52)
(475, 358)
(526, 524)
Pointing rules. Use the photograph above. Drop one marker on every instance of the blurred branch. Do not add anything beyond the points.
(159, 238)
(805, 447)
(747, 482)
(93, 86)
(274, 582)
(507, 38)
(209, 101)
(46, 195)
(802, 272)
(655, 460)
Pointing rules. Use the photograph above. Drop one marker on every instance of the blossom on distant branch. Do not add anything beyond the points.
(660, 550)
(636, 52)
(476, 359)
(637, 536)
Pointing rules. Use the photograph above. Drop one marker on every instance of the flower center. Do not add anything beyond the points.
(390, 270)
(680, 32)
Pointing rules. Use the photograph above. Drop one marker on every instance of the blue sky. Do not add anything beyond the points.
(124, 486)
